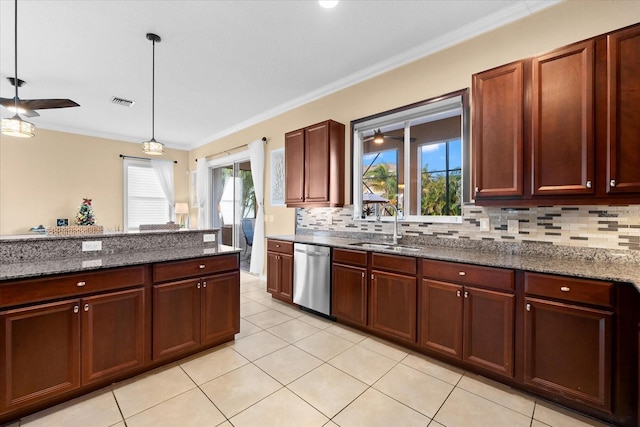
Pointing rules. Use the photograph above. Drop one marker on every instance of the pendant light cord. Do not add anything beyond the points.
(15, 53)
(153, 91)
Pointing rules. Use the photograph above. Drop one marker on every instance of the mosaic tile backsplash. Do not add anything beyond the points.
(604, 227)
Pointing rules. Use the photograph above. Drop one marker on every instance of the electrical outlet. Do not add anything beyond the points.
(513, 226)
(92, 245)
(484, 224)
(208, 238)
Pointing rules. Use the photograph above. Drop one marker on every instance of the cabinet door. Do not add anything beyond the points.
(294, 159)
(349, 295)
(441, 317)
(623, 143)
(498, 132)
(568, 351)
(176, 317)
(488, 330)
(286, 277)
(220, 302)
(41, 353)
(273, 272)
(393, 304)
(562, 121)
(113, 334)
(316, 158)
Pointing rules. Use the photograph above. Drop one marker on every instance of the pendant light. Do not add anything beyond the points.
(15, 126)
(378, 137)
(152, 146)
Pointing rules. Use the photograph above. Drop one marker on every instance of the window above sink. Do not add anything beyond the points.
(415, 157)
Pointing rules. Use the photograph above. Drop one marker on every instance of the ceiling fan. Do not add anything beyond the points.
(378, 137)
(27, 106)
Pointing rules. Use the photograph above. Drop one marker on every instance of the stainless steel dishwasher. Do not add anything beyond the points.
(312, 277)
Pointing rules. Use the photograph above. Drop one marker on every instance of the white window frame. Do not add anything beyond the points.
(449, 105)
(136, 163)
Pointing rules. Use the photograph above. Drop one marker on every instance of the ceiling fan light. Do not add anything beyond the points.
(153, 147)
(378, 137)
(328, 4)
(17, 127)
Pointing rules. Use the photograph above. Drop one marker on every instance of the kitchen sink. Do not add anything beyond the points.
(389, 247)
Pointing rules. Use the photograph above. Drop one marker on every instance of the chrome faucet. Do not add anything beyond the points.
(396, 234)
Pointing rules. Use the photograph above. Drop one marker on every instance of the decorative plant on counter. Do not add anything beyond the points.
(85, 213)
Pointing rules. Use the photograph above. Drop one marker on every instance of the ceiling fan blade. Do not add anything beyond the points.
(30, 113)
(46, 104)
(9, 103)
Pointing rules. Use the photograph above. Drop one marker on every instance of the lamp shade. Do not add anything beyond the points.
(15, 126)
(182, 208)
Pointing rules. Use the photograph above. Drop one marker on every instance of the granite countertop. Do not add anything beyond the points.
(19, 270)
(610, 269)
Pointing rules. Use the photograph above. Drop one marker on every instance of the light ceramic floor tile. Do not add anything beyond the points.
(435, 424)
(434, 368)
(331, 424)
(386, 349)
(268, 319)
(293, 330)
(415, 389)
(96, 409)
(346, 333)
(257, 295)
(328, 389)
(316, 321)
(190, 409)
(120, 424)
(149, 389)
(247, 328)
(210, 365)
(498, 393)
(281, 409)
(288, 364)
(466, 409)
(258, 345)
(556, 416)
(288, 310)
(324, 345)
(363, 364)
(536, 423)
(374, 409)
(239, 389)
(249, 308)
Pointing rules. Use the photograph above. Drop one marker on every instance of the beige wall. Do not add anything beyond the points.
(46, 177)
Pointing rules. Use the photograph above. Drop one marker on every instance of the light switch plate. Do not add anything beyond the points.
(208, 238)
(92, 245)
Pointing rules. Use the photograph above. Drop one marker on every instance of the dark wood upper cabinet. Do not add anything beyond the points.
(497, 131)
(562, 120)
(314, 165)
(623, 118)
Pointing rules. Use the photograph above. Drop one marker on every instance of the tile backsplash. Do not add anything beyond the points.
(605, 227)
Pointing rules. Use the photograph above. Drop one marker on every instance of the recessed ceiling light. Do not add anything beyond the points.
(328, 4)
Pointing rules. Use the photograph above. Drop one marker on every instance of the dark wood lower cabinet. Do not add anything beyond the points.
(568, 351)
(280, 269)
(220, 299)
(349, 295)
(441, 317)
(393, 304)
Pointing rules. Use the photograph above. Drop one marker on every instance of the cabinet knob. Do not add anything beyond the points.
(86, 307)
(461, 273)
(612, 183)
(588, 184)
(201, 266)
(528, 307)
(76, 309)
(204, 284)
(372, 277)
(277, 246)
(466, 294)
(363, 274)
(458, 294)
(81, 284)
(565, 289)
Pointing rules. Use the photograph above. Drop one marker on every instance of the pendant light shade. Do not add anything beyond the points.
(378, 137)
(15, 126)
(152, 146)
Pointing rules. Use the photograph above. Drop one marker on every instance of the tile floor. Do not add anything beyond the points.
(289, 368)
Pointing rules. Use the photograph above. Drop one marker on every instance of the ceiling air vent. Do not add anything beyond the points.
(123, 102)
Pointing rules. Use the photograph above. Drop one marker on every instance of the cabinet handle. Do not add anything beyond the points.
(477, 189)
(565, 289)
(466, 294)
(458, 294)
(363, 274)
(198, 285)
(461, 273)
(612, 183)
(81, 284)
(86, 307)
(201, 266)
(76, 309)
(588, 184)
(372, 276)
(204, 284)
(528, 307)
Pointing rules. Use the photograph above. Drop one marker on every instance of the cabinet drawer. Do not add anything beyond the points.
(280, 246)
(194, 267)
(346, 256)
(67, 285)
(569, 289)
(487, 277)
(400, 264)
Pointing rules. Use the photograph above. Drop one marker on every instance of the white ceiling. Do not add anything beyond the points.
(221, 65)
